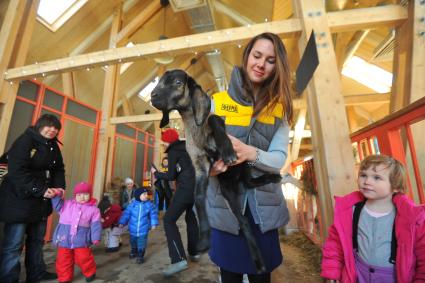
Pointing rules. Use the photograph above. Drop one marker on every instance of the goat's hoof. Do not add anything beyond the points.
(203, 245)
(229, 158)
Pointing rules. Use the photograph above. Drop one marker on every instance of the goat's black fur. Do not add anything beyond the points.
(207, 142)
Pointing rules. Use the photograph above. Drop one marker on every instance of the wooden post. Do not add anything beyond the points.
(298, 134)
(69, 85)
(333, 156)
(15, 37)
(106, 130)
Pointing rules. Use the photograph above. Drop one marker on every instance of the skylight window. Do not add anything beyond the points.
(54, 13)
(368, 74)
(145, 93)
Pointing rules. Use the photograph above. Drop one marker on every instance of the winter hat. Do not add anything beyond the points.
(128, 180)
(139, 191)
(169, 135)
(82, 188)
(104, 204)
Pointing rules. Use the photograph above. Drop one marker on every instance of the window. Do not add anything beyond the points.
(54, 13)
(368, 74)
(145, 93)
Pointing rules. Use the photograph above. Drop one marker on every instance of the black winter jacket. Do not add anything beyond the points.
(34, 164)
(181, 170)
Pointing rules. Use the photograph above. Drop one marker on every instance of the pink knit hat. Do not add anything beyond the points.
(82, 188)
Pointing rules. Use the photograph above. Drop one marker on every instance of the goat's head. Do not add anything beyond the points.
(176, 90)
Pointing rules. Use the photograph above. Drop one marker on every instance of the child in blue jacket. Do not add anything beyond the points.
(141, 216)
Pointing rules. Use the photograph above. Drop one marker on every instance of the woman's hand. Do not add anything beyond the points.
(243, 151)
(49, 193)
(218, 167)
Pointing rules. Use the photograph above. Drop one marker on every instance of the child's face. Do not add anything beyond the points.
(374, 183)
(130, 185)
(144, 197)
(82, 198)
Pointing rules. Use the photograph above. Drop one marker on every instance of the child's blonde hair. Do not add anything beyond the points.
(397, 171)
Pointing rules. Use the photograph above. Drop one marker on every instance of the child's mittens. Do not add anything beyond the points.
(96, 242)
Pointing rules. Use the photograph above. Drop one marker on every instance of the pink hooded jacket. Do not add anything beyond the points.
(337, 251)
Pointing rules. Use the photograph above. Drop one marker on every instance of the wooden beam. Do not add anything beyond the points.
(26, 19)
(298, 104)
(366, 18)
(352, 119)
(69, 85)
(137, 22)
(106, 131)
(360, 111)
(8, 34)
(343, 20)
(374, 98)
(298, 134)
(333, 158)
(142, 118)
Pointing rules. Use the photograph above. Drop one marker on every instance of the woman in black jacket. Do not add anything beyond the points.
(35, 173)
(181, 170)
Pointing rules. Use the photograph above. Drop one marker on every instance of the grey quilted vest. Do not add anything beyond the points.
(267, 203)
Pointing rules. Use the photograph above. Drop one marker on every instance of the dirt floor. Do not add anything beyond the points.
(117, 267)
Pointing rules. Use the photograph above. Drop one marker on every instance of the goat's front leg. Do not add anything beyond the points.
(200, 198)
(230, 193)
(222, 141)
(251, 182)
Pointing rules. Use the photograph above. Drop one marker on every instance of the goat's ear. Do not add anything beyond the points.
(201, 103)
(165, 119)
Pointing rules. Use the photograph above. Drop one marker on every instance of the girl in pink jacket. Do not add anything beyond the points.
(378, 235)
(79, 227)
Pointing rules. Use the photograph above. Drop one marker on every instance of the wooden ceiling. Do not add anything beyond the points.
(85, 29)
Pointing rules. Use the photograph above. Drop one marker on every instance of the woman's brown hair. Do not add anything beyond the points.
(275, 89)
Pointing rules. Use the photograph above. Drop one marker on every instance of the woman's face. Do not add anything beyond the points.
(130, 185)
(261, 61)
(49, 132)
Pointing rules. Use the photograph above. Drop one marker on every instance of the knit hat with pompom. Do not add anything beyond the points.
(169, 135)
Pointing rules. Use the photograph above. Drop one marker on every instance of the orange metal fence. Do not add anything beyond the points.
(398, 135)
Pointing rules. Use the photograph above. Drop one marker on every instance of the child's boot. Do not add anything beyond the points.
(133, 253)
(91, 278)
(140, 257)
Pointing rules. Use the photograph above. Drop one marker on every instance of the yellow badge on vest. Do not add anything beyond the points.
(240, 115)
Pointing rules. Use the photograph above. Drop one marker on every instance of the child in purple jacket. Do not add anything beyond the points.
(79, 227)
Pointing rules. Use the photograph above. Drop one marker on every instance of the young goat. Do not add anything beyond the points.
(207, 142)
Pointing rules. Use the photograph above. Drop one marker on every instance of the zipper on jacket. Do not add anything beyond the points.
(138, 220)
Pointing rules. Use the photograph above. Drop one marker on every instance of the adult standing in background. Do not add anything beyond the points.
(259, 132)
(181, 170)
(127, 194)
(35, 173)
